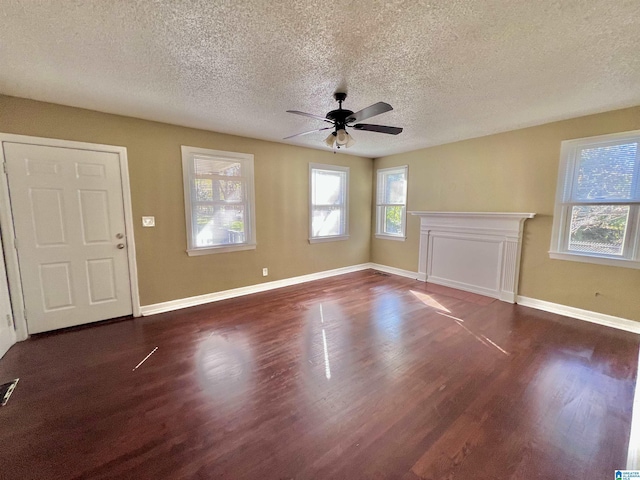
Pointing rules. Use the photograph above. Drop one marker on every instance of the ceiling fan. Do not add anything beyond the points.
(340, 119)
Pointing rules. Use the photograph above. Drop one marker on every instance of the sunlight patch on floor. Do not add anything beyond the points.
(450, 316)
(429, 301)
(481, 338)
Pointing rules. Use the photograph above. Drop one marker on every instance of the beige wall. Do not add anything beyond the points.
(515, 172)
(155, 168)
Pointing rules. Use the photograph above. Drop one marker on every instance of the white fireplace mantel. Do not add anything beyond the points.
(474, 251)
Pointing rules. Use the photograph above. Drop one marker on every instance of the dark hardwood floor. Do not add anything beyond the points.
(362, 376)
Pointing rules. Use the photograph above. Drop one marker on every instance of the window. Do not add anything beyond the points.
(219, 201)
(329, 203)
(598, 201)
(391, 203)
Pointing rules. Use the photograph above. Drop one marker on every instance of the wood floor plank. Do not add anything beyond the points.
(361, 376)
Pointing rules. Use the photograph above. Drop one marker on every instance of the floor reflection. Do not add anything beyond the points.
(327, 365)
(565, 390)
(224, 369)
(389, 317)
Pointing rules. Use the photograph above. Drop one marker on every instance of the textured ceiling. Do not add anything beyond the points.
(452, 69)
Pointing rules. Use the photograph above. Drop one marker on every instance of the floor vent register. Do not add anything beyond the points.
(6, 390)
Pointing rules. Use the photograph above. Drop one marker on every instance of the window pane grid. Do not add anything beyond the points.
(597, 211)
(225, 189)
(219, 196)
(391, 201)
(598, 229)
(219, 225)
(203, 165)
(392, 220)
(328, 202)
(607, 172)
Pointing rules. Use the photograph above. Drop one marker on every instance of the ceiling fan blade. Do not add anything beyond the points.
(306, 133)
(311, 115)
(370, 111)
(378, 128)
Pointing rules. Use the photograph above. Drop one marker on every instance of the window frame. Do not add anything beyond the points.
(188, 175)
(345, 206)
(567, 178)
(380, 206)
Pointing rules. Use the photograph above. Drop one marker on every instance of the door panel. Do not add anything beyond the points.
(68, 212)
(48, 216)
(56, 286)
(101, 277)
(94, 215)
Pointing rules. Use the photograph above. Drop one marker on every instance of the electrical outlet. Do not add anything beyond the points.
(265, 272)
(148, 221)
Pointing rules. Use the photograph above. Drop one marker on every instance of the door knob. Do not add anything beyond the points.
(119, 235)
(120, 246)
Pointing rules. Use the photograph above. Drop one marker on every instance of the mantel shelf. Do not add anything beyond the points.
(428, 213)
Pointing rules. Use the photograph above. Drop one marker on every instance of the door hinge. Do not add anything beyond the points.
(15, 243)
(9, 320)
(4, 167)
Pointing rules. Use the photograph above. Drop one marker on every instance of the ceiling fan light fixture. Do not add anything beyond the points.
(330, 139)
(350, 141)
(342, 137)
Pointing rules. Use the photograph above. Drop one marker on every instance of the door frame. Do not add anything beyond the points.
(8, 233)
(8, 335)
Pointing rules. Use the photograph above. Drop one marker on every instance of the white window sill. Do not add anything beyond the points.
(194, 252)
(397, 238)
(577, 257)
(334, 238)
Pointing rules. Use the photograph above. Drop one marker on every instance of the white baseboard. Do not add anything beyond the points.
(263, 287)
(237, 292)
(394, 271)
(580, 314)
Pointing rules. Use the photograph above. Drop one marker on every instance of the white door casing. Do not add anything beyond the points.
(71, 210)
(7, 332)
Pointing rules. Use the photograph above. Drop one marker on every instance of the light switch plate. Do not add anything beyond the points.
(148, 221)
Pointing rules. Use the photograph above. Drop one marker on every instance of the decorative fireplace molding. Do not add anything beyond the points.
(476, 252)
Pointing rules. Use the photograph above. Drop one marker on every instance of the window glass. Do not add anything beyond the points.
(391, 202)
(218, 200)
(328, 202)
(597, 208)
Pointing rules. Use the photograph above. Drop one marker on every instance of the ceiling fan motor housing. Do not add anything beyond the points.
(339, 116)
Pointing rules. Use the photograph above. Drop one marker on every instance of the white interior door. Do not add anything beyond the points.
(7, 332)
(69, 224)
